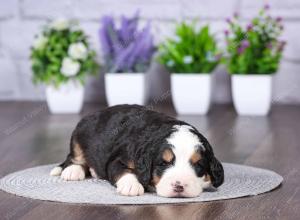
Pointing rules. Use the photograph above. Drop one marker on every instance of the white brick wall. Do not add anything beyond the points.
(20, 20)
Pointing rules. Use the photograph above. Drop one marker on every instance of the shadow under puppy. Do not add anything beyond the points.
(136, 149)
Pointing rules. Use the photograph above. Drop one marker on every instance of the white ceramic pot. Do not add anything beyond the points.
(125, 88)
(252, 94)
(67, 98)
(191, 93)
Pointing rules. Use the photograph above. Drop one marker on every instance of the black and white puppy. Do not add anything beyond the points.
(138, 149)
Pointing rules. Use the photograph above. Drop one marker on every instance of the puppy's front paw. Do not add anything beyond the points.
(73, 172)
(128, 185)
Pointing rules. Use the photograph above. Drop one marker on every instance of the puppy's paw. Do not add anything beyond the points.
(56, 171)
(128, 185)
(73, 172)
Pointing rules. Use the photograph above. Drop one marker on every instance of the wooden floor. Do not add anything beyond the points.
(29, 136)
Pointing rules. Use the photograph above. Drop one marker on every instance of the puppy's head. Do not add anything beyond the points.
(185, 165)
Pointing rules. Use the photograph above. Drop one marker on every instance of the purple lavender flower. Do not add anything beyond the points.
(249, 27)
(267, 7)
(236, 15)
(281, 45)
(228, 20)
(270, 45)
(244, 45)
(126, 49)
(279, 19)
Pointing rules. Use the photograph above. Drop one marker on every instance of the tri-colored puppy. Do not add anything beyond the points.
(138, 149)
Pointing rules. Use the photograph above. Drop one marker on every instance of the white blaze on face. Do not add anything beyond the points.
(185, 145)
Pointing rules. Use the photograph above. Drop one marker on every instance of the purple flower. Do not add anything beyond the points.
(279, 19)
(228, 20)
(226, 32)
(249, 27)
(126, 49)
(281, 45)
(266, 6)
(270, 45)
(244, 45)
(236, 15)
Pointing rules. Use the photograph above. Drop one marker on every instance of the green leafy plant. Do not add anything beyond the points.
(256, 48)
(190, 51)
(62, 53)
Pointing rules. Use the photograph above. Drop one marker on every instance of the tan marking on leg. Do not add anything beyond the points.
(78, 154)
(207, 178)
(155, 179)
(131, 165)
(93, 173)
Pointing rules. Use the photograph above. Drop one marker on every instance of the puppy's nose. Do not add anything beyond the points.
(178, 187)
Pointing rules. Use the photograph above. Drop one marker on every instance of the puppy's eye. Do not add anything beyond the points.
(165, 163)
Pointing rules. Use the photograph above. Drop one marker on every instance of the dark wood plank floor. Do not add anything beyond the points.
(29, 136)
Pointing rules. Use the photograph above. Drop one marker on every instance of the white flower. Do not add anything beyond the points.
(69, 67)
(78, 51)
(187, 59)
(60, 24)
(170, 63)
(177, 39)
(40, 42)
(210, 57)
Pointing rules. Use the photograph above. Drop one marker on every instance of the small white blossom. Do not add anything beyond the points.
(177, 39)
(69, 67)
(60, 24)
(78, 51)
(210, 57)
(40, 42)
(187, 59)
(170, 63)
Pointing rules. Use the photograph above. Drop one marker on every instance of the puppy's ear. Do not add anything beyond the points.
(144, 168)
(215, 168)
(216, 172)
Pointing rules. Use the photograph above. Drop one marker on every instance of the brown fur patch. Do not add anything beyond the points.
(131, 165)
(168, 155)
(155, 179)
(78, 157)
(207, 178)
(195, 157)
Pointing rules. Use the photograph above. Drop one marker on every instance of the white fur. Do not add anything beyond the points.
(56, 171)
(128, 185)
(73, 172)
(93, 173)
(185, 144)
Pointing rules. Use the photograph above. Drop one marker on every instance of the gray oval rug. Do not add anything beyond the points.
(36, 183)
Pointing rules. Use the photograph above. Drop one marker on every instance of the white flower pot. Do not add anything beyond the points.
(252, 94)
(191, 93)
(125, 88)
(67, 98)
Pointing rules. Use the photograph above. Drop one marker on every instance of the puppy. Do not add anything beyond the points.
(137, 149)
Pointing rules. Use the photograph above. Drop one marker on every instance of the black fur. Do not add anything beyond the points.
(111, 138)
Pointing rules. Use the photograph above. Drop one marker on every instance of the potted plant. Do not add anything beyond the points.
(127, 53)
(61, 58)
(191, 56)
(254, 54)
